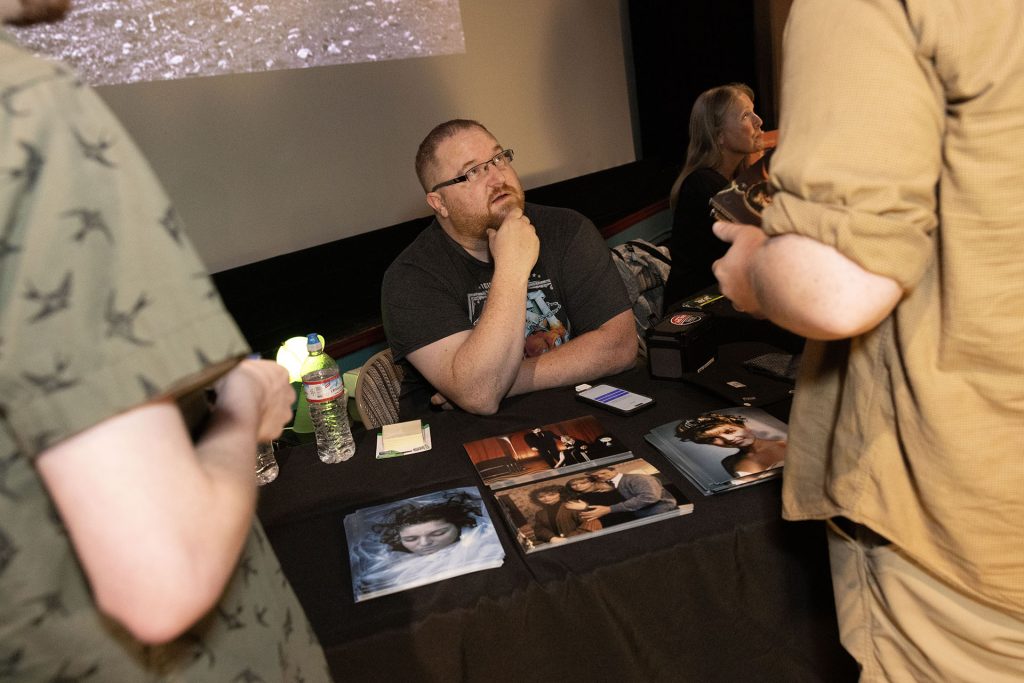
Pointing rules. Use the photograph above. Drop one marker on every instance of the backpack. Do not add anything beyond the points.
(644, 269)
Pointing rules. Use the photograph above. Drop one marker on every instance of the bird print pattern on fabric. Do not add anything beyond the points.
(104, 305)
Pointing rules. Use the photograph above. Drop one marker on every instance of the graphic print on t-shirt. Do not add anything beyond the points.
(545, 327)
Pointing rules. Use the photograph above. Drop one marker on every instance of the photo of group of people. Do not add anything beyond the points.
(724, 449)
(601, 499)
(509, 459)
(420, 540)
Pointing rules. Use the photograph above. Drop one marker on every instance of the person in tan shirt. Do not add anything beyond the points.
(894, 243)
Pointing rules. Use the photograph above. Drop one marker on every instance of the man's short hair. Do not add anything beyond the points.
(696, 428)
(425, 155)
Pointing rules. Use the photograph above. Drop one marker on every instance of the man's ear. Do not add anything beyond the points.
(436, 203)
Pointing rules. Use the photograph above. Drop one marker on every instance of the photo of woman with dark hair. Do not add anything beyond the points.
(722, 450)
(420, 540)
(754, 453)
(555, 519)
(591, 491)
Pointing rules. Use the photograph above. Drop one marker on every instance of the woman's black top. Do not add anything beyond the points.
(694, 247)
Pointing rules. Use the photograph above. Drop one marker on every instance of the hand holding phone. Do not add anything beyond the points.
(615, 399)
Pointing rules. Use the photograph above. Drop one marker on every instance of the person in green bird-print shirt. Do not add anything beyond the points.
(129, 549)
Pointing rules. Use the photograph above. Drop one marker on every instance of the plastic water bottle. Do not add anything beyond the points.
(266, 463)
(325, 393)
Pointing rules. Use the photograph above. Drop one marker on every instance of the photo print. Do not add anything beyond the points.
(724, 449)
(420, 540)
(540, 451)
(602, 499)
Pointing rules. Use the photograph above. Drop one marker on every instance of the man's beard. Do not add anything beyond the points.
(479, 224)
(497, 217)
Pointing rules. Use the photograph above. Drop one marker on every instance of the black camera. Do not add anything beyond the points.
(683, 342)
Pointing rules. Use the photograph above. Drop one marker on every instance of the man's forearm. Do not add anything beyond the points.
(485, 365)
(812, 289)
(802, 284)
(604, 351)
(157, 535)
(226, 454)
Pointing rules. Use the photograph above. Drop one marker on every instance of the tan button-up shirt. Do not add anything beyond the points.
(899, 146)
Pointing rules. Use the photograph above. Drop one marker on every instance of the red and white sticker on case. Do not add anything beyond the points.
(684, 319)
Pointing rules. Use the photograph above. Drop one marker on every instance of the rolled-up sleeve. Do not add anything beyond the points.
(859, 151)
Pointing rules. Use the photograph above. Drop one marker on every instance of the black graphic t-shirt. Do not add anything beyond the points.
(435, 289)
(545, 329)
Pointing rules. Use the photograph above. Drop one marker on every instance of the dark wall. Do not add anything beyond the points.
(680, 49)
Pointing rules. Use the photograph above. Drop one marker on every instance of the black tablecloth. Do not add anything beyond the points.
(725, 593)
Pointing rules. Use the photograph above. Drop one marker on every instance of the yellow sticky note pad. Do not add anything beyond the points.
(403, 436)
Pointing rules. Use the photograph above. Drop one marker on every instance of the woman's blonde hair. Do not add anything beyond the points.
(706, 120)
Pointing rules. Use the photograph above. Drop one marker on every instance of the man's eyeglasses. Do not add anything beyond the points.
(499, 161)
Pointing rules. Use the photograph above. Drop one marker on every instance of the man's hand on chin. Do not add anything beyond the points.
(515, 243)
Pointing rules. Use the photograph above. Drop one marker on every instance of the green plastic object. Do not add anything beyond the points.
(302, 424)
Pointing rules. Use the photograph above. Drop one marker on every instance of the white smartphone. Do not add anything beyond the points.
(615, 399)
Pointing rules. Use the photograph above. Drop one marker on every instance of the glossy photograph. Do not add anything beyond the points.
(509, 459)
(420, 540)
(724, 449)
(589, 503)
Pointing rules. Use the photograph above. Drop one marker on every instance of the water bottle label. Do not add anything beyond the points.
(323, 390)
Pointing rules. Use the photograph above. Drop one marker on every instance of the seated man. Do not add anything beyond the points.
(556, 310)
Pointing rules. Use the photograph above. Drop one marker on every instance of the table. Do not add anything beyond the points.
(726, 593)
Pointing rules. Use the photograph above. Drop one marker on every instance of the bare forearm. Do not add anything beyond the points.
(156, 521)
(485, 365)
(157, 533)
(226, 453)
(201, 533)
(605, 351)
(813, 290)
(801, 284)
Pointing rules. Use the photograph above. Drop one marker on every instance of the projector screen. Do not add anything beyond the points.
(111, 42)
(265, 163)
